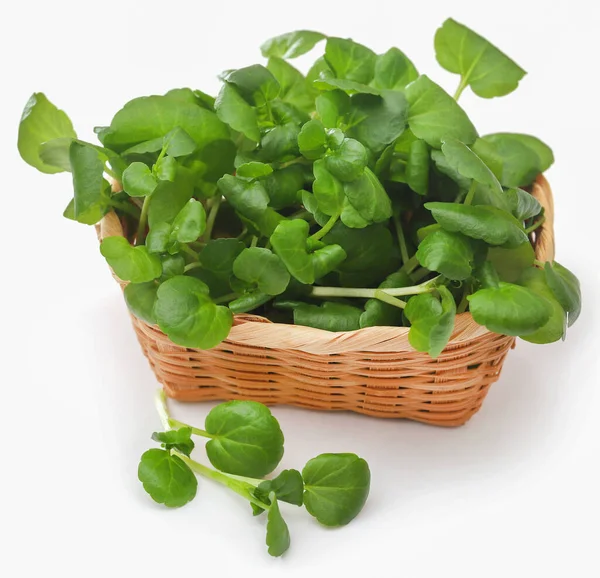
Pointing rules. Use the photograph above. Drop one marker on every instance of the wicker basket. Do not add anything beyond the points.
(373, 371)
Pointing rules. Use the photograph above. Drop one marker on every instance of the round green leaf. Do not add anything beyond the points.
(450, 254)
(336, 487)
(262, 267)
(292, 44)
(348, 162)
(350, 60)
(523, 205)
(312, 140)
(510, 263)
(166, 169)
(278, 535)
(189, 223)
(129, 263)
(232, 109)
(417, 167)
(367, 195)
(185, 312)
(288, 486)
(246, 439)
(254, 170)
(565, 287)
(167, 478)
(328, 191)
(140, 298)
(138, 180)
(329, 316)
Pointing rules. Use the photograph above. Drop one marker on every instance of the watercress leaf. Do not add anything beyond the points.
(417, 167)
(40, 122)
(509, 309)
(246, 439)
(170, 197)
(288, 487)
(335, 138)
(329, 316)
(249, 301)
(138, 180)
(336, 487)
(523, 157)
(179, 143)
(312, 140)
(368, 197)
(393, 70)
(291, 44)
(179, 439)
(319, 69)
(432, 321)
(444, 167)
(254, 83)
(217, 158)
(348, 162)
(256, 510)
(166, 169)
(150, 117)
(158, 239)
(450, 254)
(233, 110)
(486, 274)
(487, 70)
(280, 143)
(351, 217)
(166, 478)
(327, 259)
(55, 153)
(250, 199)
(260, 266)
(510, 263)
(331, 107)
(350, 60)
(140, 299)
(90, 217)
(295, 90)
(490, 224)
(328, 191)
(189, 223)
(555, 329)
(434, 116)
(289, 243)
(379, 313)
(278, 535)
(523, 205)
(312, 206)
(253, 170)
(469, 165)
(172, 265)
(92, 191)
(219, 255)
(565, 287)
(348, 86)
(283, 185)
(129, 263)
(187, 315)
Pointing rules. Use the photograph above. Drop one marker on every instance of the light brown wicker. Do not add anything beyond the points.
(373, 371)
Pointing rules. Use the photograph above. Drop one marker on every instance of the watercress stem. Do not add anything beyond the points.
(401, 239)
(539, 263)
(535, 225)
(326, 228)
(212, 217)
(125, 207)
(471, 193)
(461, 86)
(190, 252)
(410, 265)
(254, 241)
(419, 274)
(426, 287)
(111, 173)
(141, 231)
(160, 401)
(190, 266)
(383, 296)
(225, 298)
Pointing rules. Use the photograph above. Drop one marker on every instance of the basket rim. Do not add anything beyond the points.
(259, 331)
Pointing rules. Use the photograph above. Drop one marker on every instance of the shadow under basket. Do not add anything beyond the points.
(373, 371)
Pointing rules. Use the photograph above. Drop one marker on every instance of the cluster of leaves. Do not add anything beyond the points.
(245, 444)
(320, 199)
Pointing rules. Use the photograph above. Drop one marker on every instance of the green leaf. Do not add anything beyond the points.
(348, 162)
(379, 313)
(40, 122)
(327, 190)
(487, 70)
(368, 197)
(523, 157)
(509, 309)
(140, 299)
(289, 241)
(565, 287)
(283, 185)
(179, 143)
(417, 168)
(351, 217)
(248, 198)
(350, 60)
(278, 535)
(166, 169)
(329, 316)
(249, 301)
(187, 315)
(246, 439)
(292, 44)
(312, 206)
(510, 263)
(312, 140)
(255, 84)
(434, 116)
(393, 70)
(450, 254)
(523, 205)
(129, 263)
(332, 107)
(336, 487)
(555, 329)
(295, 90)
(138, 180)
(178, 439)
(254, 170)
(55, 153)
(348, 86)
(92, 191)
(172, 265)
(167, 478)
(151, 117)
(383, 118)
(158, 239)
(490, 224)
(432, 321)
(169, 197)
(219, 255)
(237, 113)
(263, 268)
(288, 486)
(189, 223)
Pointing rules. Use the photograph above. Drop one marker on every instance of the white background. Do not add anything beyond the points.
(513, 493)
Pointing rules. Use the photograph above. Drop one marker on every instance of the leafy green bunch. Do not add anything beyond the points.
(244, 444)
(358, 195)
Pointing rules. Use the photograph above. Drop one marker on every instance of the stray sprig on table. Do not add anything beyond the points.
(245, 443)
(358, 195)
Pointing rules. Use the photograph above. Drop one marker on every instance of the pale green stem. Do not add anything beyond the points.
(535, 225)
(539, 263)
(471, 193)
(111, 173)
(326, 228)
(383, 296)
(462, 85)
(426, 287)
(212, 217)
(160, 401)
(418, 275)
(225, 298)
(190, 252)
(410, 265)
(192, 266)
(401, 239)
(141, 231)
(254, 241)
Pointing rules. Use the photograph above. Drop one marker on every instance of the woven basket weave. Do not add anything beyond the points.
(373, 371)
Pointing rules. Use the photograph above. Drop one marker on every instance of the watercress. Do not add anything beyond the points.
(246, 443)
(359, 194)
